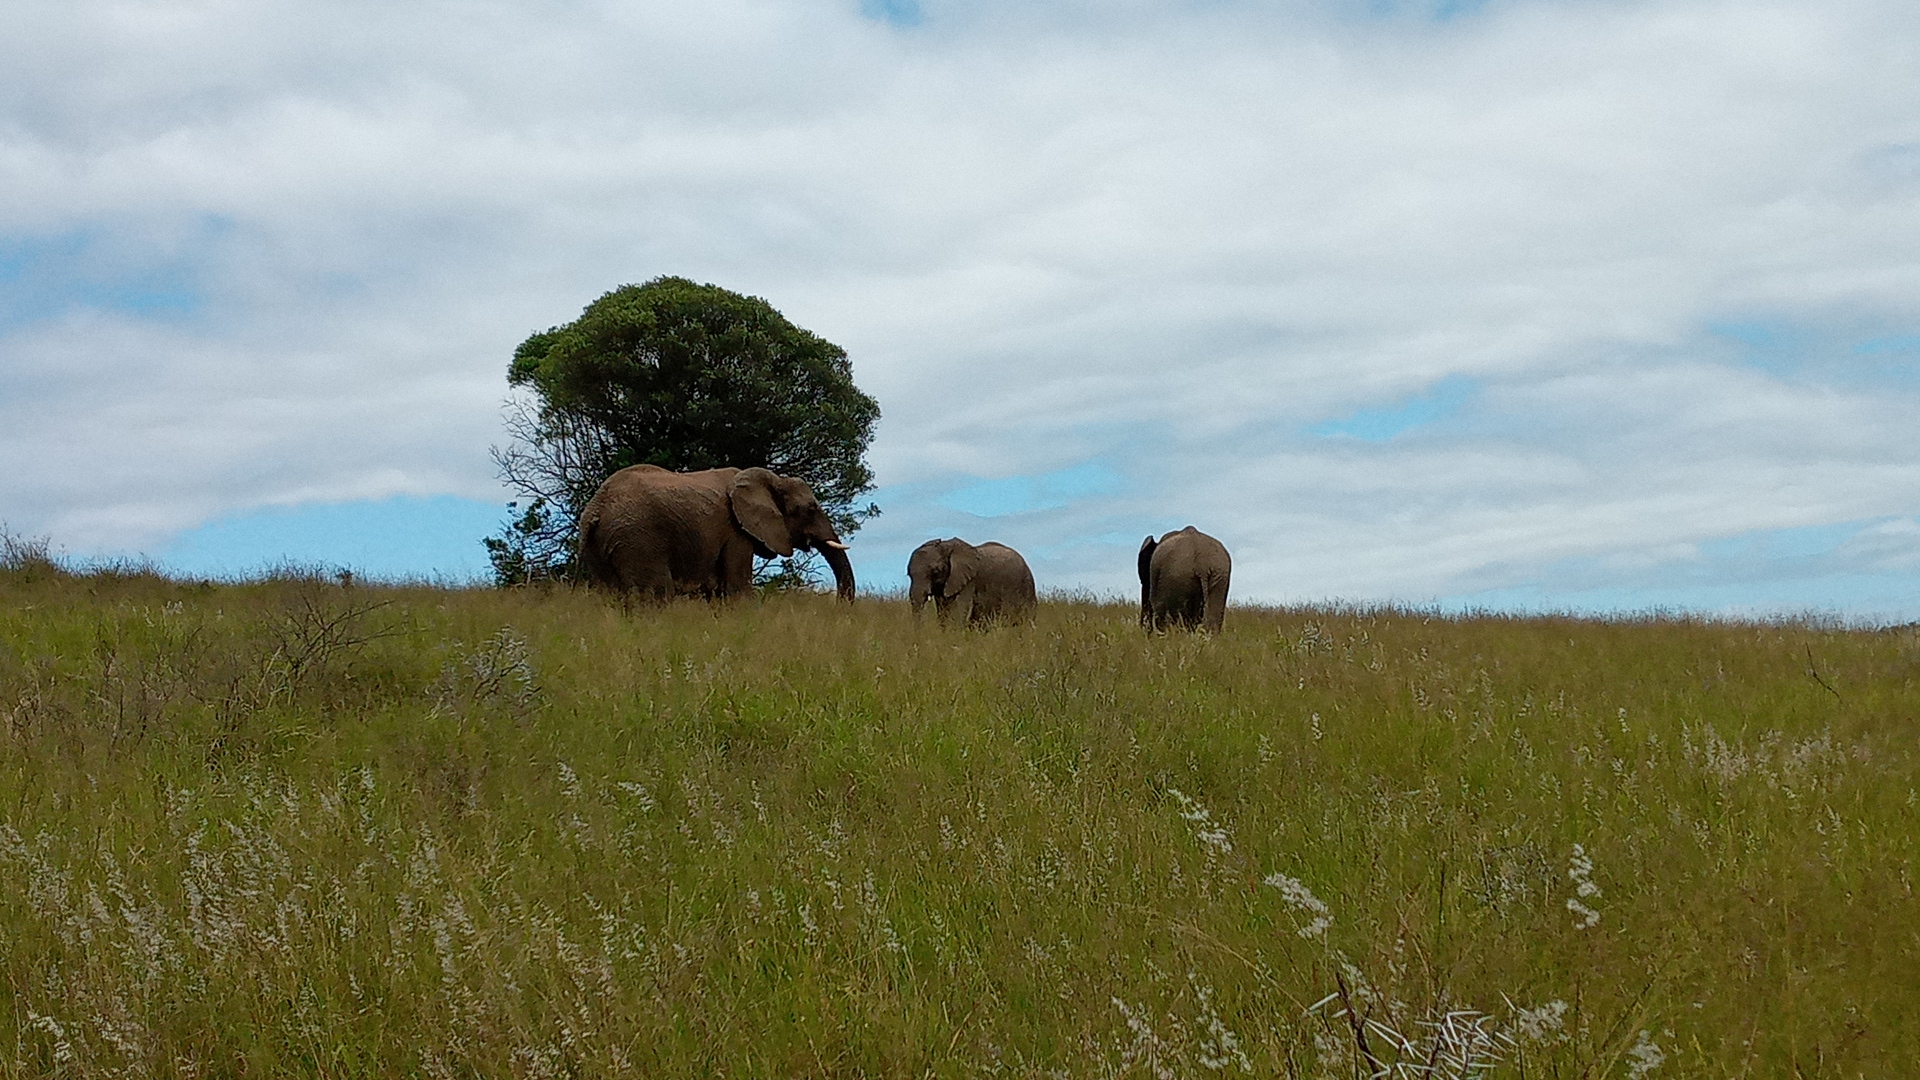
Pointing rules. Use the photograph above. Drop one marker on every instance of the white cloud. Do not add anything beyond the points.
(1167, 237)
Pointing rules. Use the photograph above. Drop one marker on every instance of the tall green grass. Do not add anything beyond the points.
(290, 828)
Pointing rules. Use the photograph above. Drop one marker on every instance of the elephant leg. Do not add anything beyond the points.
(645, 580)
(590, 566)
(1174, 600)
(733, 573)
(964, 605)
(1196, 613)
(1216, 603)
(986, 605)
(1176, 606)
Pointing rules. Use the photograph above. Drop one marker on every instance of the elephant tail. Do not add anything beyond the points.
(1146, 580)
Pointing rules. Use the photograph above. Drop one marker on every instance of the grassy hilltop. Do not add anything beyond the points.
(289, 828)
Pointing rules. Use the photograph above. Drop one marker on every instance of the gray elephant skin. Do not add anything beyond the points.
(976, 584)
(660, 534)
(1183, 581)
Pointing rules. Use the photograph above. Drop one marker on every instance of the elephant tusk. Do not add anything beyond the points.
(834, 544)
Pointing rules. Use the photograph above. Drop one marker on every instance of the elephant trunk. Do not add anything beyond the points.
(842, 569)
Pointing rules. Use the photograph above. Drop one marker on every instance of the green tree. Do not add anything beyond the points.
(686, 377)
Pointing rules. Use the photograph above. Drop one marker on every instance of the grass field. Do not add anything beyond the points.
(291, 828)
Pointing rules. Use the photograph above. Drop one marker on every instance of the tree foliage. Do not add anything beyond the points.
(683, 376)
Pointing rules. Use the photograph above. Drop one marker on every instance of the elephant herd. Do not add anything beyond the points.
(659, 534)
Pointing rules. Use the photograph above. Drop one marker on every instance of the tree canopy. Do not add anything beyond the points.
(686, 377)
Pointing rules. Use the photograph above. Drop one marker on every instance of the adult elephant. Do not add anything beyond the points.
(663, 534)
(976, 585)
(1183, 581)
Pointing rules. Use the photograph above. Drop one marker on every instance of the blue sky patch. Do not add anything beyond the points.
(1779, 349)
(1756, 335)
(1448, 10)
(89, 267)
(1025, 494)
(401, 537)
(897, 12)
(20, 254)
(1828, 357)
(1899, 343)
(1801, 542)
(1432, 10)
(1893, 161)
(1447, 397)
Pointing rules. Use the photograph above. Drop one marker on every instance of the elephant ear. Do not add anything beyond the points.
(961, 566)
(757, 513)
(1146, 558)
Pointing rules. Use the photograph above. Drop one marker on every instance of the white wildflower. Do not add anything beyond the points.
(1544, 1024)
(1148, 1048)
(1333, 1052)
(1584, 917)
(1644, 1056)
(1580, 872)
(540, 1062)
(638, 791)
(1212, 836)
(1302, 901)
(1219, 1046)
(1362, 990)
(62, 1048)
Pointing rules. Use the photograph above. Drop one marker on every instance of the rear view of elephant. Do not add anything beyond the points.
(663, 534)
(1183, 581)
(976, 585)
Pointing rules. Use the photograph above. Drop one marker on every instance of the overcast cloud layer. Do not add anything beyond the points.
(1600, 304)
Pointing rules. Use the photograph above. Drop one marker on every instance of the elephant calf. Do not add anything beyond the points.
(974, 584)
(1183, 581)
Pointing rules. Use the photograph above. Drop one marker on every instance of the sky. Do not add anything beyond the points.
(1589, 305)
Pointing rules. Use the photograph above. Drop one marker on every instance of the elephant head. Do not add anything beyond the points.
(939, 569)
(781, 514)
